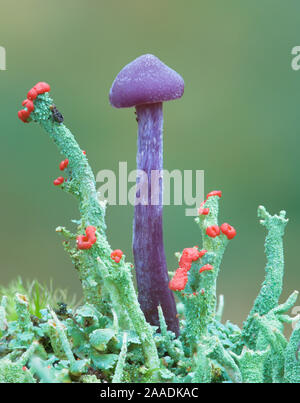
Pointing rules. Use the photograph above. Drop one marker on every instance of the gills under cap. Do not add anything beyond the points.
(146, 80)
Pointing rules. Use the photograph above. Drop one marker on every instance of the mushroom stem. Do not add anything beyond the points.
(148, 247)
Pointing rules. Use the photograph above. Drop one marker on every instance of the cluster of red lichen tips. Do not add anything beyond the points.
(227, 229)
(87, 241)
(214, 230)
(58, 181)
(189, 255)
(62, 166)
(205, 210)
(38, 89)
(116, 255)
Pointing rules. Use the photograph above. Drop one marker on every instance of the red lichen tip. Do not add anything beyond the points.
(38, 89)
(41, 87)
(189, 255)
(87, 241)
(63, 165)
(213, 231)
(28, 104)
(32, 94)
(23, 115)
(228, 230)
(116, 255)
(179, 280)
(202, 210)
(214, 193)
(206, 267)
(58, 181)
(202, 253)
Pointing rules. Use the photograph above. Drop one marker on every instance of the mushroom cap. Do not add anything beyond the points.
(146, 80)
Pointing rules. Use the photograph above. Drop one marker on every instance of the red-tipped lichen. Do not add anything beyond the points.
(189, 255)
(63, 165)
(179, 280)
(116, 255)
(203, 210)
(58, 181)
(206, 267)
(214, 193)
(213, 231)
(38, 89)
(88, 240)
(228, 230)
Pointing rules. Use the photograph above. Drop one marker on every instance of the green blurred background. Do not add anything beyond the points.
(238, 120)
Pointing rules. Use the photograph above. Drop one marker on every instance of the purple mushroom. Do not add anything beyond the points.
(145, 83)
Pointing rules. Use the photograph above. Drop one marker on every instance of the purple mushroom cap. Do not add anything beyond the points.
(146, 80)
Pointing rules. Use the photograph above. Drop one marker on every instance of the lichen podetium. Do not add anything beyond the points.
(107, 338)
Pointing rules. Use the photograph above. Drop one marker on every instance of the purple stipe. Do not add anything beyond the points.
(148, 247)
(145, 83)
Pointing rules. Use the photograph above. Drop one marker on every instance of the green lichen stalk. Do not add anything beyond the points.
(205, 300)
(259, 352)
(82, 185)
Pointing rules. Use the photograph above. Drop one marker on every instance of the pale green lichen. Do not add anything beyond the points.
(3, 320)
(118, 375)
(292, 357)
